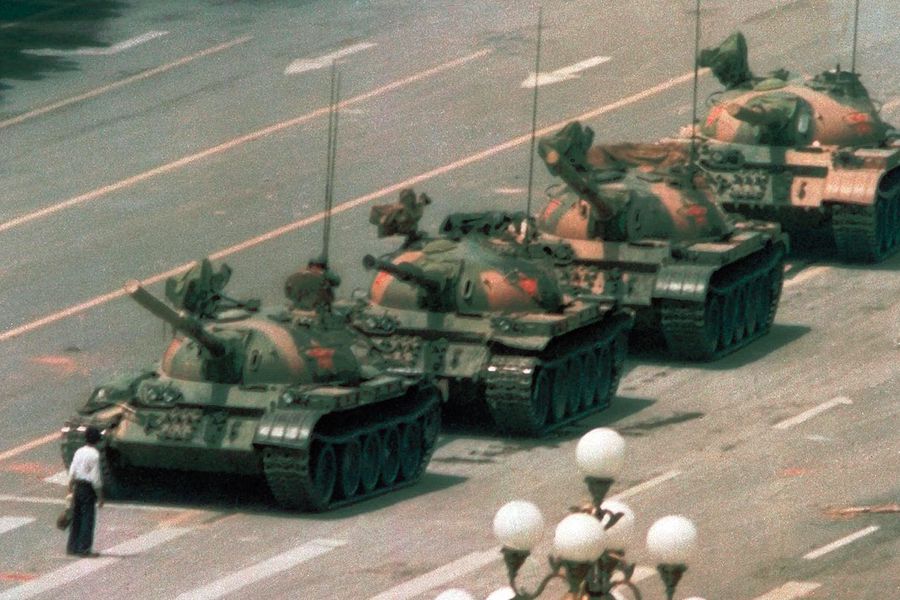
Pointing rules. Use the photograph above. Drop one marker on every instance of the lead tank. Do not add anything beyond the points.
(709, 283)
(479, 306)
(293, 394)
(813, 154)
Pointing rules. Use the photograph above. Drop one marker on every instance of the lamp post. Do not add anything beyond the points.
(589, 545)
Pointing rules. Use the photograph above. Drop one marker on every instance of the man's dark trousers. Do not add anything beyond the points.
(81, 531)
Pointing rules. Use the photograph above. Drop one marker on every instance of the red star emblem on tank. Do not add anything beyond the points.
(550, 208)
(529, 285)
(857, 117)
(714, 115)
(694, 211)
(324, 357)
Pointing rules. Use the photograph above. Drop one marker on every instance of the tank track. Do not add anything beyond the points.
(738, 309)
(291, 473)
(867, 233)
(534, 395)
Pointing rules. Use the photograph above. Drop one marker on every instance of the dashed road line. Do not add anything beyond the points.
(10, 523)
(235, 142)
(440, 576)
(359, 201)
(840, 543)
(122, 82)
(29, 445)
(637, 489)
(61, 478)
(806, 415)
(889, 106)
(302, 65)
(99, 51)
(564, 73)
(78, 569)
(262, 570)
(114, 505)
(791, 590)
(806, 275)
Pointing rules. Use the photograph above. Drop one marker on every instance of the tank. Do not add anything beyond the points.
(707, 282)
(293, 394)
(479, 306)
(812, 154)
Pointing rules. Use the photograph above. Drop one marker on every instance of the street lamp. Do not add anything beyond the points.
(589, 545)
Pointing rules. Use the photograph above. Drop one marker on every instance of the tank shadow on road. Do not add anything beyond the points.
(779, 336)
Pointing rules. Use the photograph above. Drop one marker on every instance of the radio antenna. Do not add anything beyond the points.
(534, 105)
(334, 100)
(855, 28)
(696, 77)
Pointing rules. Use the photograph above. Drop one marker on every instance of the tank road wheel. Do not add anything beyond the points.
(729, 319)
(589, 381)
(390, 456)
(603, 390)
(562, 389)
(370, 462)
(713, 317)
(410, 450)
(351, 469)
(542, 391)
(323, 476)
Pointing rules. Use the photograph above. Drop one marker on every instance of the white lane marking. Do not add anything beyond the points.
(10, 523)
(266, 568)
(841, 542)
(640, 574)
(61, 478)
(107, 51)
(117, 84)
(787, 423)
(302, 65)
(889, 106)
(233, 143)
(805, 275)
(565, 73)
(440, 576)
(637, 489)
(86, 566)
(791, 590)
(29, 445)
(290, 227)
(510, 191)
(62, 501)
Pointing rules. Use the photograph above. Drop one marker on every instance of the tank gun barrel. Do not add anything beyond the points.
(186, 325)
(566, 151)
(409, 273)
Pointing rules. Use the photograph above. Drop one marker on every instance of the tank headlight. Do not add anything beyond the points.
(287, 397)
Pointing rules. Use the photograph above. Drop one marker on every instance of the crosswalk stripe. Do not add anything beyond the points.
(10, 523)
(266, 568)
(86, 566)
(791, 590)
(61, 478)
(440, 576)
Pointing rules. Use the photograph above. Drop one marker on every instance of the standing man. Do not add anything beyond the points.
(86, 487)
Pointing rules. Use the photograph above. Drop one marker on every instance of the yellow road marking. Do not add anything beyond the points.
(122, 82)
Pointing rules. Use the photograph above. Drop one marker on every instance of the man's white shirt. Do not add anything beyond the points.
(86, 466)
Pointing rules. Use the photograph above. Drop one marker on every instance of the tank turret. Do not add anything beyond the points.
(618, 204)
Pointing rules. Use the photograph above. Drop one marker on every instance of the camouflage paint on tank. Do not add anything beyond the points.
(277, 392)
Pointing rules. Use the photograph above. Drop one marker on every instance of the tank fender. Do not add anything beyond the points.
(287, 428)
(683, 282)
(848, 186)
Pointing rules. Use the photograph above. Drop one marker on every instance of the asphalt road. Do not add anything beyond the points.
(132, 161)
